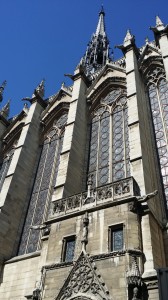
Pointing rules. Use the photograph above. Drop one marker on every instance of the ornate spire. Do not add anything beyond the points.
(97, 52)
(5, 110)
(2, 90)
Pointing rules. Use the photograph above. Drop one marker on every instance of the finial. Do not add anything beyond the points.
(63, 84)
(128, 36)
(158, 21)
(102, 10)
(25, 108)
(40, 89)
(2, 89)
(133, 275)
(146, 40)
(5, 110)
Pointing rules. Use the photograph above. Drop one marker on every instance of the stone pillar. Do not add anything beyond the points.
(161, 38)
(135, 111)
(141, 152)
(163, 42)
(149, 270)
(14, 193)
(69, 178)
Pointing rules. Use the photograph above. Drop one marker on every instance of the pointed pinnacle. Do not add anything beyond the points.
(40, 89)
(101, 24)
(128, 36)
(5, 110)
(2, 89)
(159, 22)
(146, 40)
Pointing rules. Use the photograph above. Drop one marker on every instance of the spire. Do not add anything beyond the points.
(101, 24)
(2, 90)
(97, 52)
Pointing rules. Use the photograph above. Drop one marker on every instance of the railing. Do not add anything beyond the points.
(111, 192)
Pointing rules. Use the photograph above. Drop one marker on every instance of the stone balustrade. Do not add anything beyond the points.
(105, 194)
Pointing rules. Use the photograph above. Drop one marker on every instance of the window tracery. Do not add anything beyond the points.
(109, 145)
(6, 164)
(158, 95)
(43, 185)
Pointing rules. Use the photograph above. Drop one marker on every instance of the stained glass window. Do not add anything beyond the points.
(158, 95)
(68, 248)
(43, 186)
(109, 144)
(116, 240)
(4, 167)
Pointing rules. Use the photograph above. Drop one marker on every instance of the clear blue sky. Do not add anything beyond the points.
(46, 38)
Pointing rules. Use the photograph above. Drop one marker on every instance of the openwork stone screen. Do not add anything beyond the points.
(109, 145)
(158, 95)
(43, 186)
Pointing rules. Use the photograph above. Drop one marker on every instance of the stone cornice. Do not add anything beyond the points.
(92, 258)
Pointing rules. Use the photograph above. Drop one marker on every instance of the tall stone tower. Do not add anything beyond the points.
(84, 179)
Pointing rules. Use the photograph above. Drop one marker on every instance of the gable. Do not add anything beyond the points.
(83, 282)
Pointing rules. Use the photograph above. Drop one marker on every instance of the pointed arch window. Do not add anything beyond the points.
(6, 164)
(109, 146)
(158, 96)
(43, 186)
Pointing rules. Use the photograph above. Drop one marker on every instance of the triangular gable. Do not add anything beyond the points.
(110, 75)
(149, 51)
(83, 281)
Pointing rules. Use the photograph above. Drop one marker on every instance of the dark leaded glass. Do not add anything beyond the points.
(109, 145)
(158, 95)
(112, 96)
(103, 153)
(5, 166)
(117, 239)
(69, 249)
(44, 182)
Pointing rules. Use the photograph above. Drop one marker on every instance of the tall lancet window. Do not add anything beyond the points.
(158, 95)
(43, 187)
(4, 167)
(109, 145)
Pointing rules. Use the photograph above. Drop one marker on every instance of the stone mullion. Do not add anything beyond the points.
(98, 149)
(111, 145)
(51, 178)
(162, 117)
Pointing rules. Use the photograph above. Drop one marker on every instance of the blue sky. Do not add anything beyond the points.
(46, 38)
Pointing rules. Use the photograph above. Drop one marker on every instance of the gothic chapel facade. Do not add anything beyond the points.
(84, 179)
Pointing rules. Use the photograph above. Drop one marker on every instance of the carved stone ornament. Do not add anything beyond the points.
(83, 281)
(133, 275)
